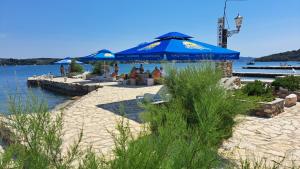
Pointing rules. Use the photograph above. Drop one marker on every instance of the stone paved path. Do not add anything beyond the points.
(274, 138)
(97, 113)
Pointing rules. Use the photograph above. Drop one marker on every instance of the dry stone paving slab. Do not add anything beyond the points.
(273, 139)
(97, 114)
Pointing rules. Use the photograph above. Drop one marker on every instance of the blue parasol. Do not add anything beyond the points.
(176, 46)
(66, 61)
(100, 55)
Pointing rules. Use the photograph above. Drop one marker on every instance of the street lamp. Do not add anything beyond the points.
(223, 34)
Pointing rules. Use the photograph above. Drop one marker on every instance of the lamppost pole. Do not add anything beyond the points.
(223, 34)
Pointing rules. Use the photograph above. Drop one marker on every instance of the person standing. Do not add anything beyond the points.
(116, 68)
(142, 68)
(62, 70)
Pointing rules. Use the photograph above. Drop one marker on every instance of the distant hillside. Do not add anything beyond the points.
(33, 61)
(285, 56)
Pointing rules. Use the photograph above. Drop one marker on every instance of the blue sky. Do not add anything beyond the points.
(59, 28)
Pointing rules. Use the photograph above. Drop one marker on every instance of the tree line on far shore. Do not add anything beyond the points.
(32, 61)
(284, 56)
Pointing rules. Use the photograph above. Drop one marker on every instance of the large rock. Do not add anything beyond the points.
(6, 133)
(231, 83)
(298, 95)
(290, 100)
(282, 93)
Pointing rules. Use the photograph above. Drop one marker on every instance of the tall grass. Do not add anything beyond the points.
(187, 131)
(36, 136)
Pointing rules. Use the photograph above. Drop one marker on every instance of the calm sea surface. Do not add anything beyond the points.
(13, 80)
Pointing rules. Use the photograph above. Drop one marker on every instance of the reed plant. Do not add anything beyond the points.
(36, 137)
(187, 131)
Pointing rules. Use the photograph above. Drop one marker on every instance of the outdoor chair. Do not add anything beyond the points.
(162, 96)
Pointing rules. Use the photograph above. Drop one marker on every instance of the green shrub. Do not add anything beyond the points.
(187, 131)
(259, 89)
(75, 67)
(291, 83)
(37, 138)
(99, 68)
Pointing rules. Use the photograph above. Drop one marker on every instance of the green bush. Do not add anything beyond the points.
(259, 89)
(75, 67)
(36, 136)
(187, 131)
(99, 68)
(291, 83)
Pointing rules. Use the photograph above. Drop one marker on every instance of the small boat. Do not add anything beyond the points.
(251, 63)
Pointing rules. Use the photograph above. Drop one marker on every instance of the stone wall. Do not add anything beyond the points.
(72, 89)
(225, 67)
(270, 109)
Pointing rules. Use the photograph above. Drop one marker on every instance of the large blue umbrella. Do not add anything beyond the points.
(100, 55)
(176, 46)
(66, 61)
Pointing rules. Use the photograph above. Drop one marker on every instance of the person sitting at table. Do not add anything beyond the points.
(133, 73)
(142, 68)
(156, 73)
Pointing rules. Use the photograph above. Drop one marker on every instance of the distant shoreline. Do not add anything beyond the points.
(33, 61)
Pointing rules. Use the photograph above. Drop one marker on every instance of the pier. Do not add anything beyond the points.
(263, 74)
(67, 86)
(273, 67)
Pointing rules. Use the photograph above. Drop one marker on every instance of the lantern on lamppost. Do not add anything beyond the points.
(238, 22)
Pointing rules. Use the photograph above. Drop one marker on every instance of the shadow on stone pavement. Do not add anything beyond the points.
(128, 108)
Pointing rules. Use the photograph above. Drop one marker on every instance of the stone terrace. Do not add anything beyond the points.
(97, 113)
(274, 138)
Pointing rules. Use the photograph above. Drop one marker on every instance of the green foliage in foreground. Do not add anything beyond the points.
(36, 138)
(291, 83)
(259, 89)
(185, 133)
